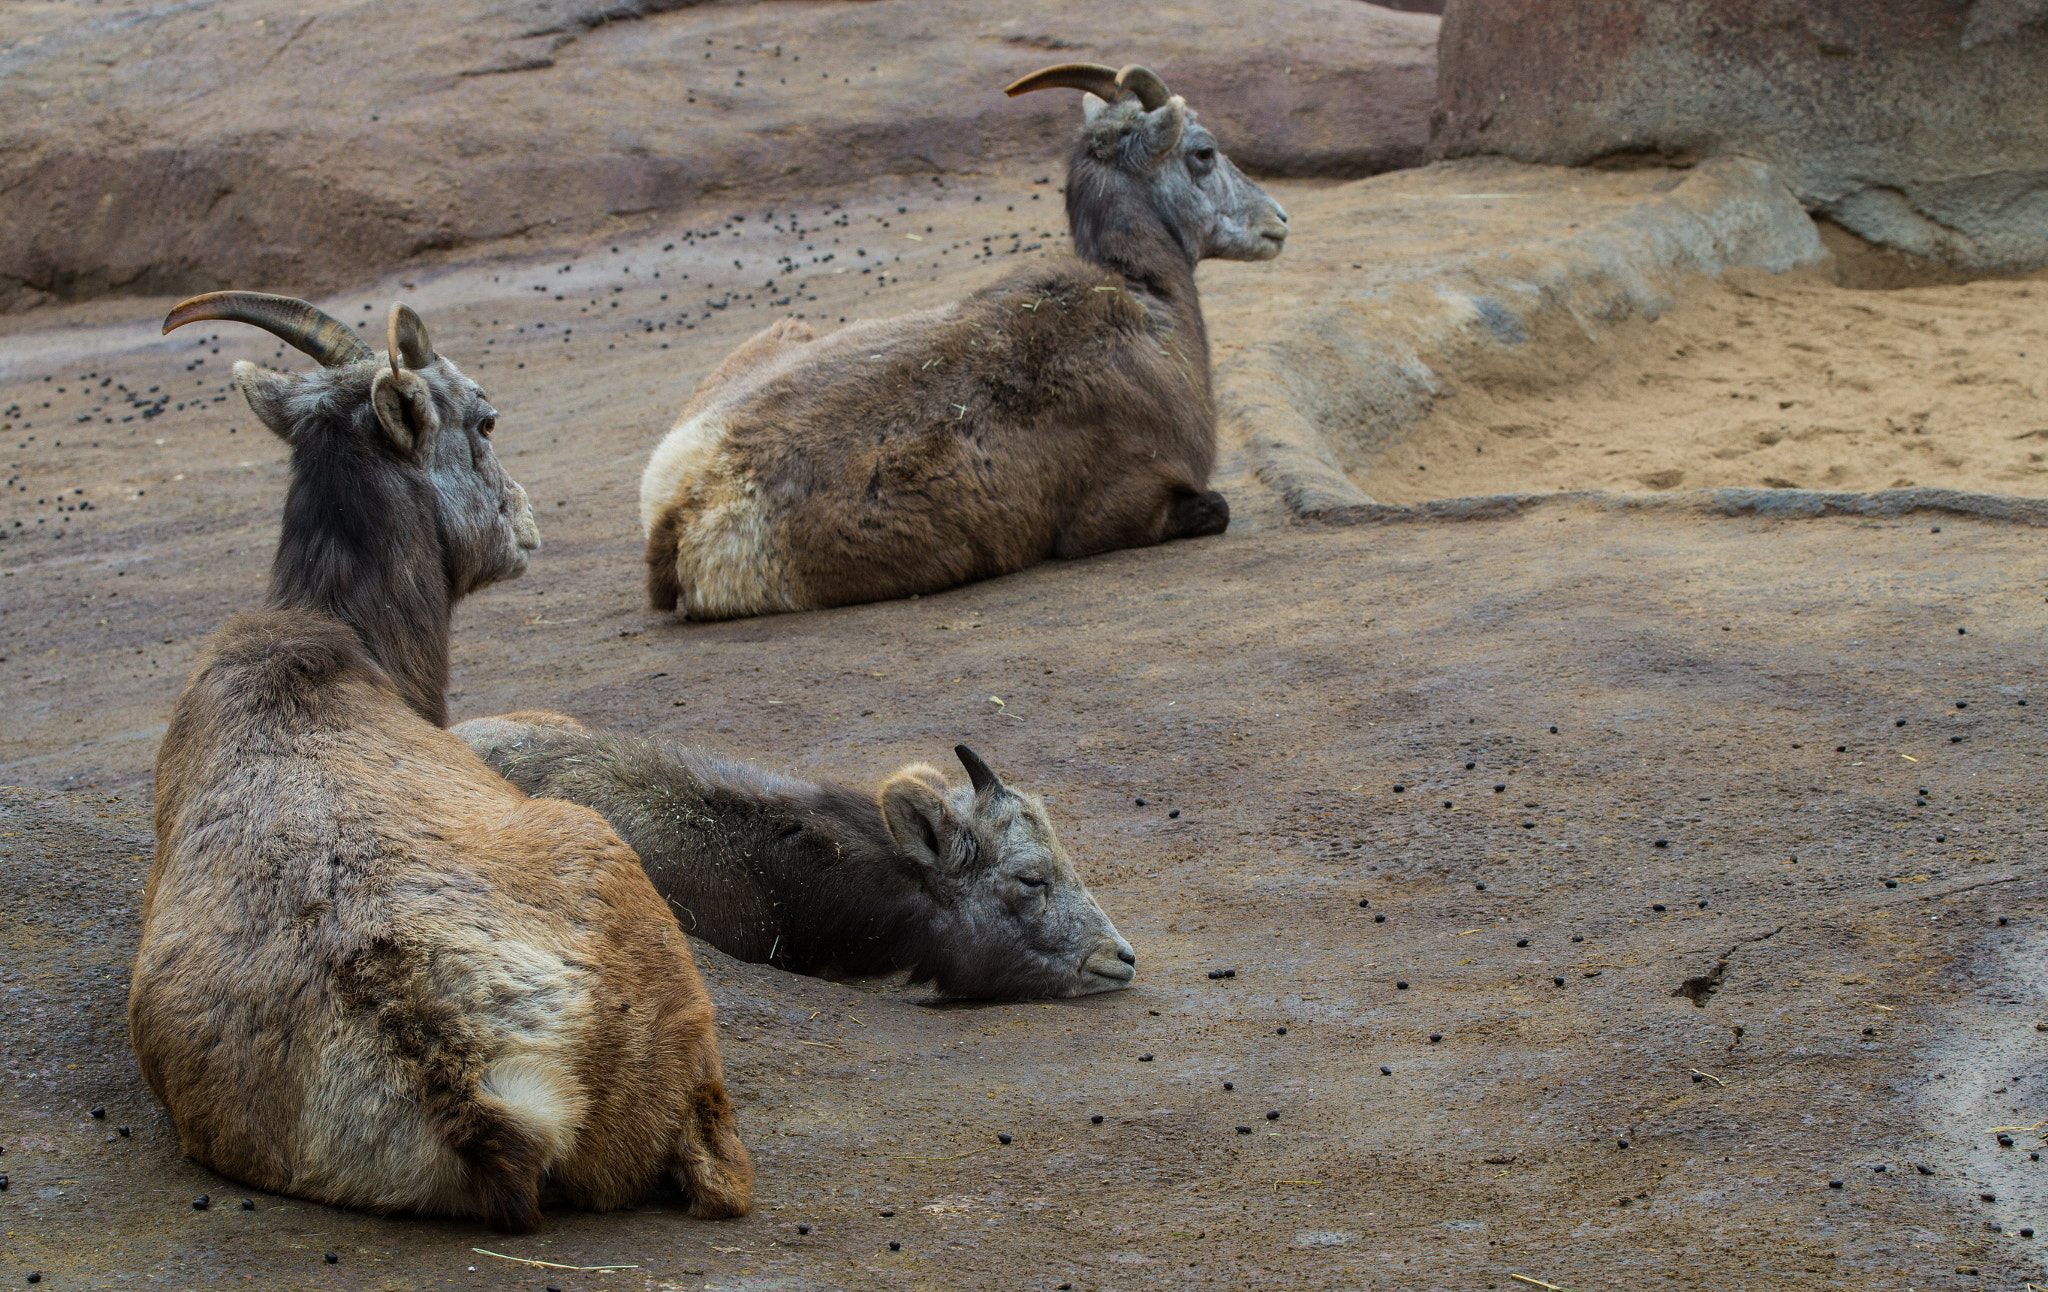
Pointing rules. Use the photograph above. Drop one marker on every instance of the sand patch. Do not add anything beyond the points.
(1757, 380)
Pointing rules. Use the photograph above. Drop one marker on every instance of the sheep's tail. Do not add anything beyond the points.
(664, 585)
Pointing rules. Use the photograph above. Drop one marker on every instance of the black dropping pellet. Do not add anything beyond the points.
(1934, 529)
(1244, 1130)
(1097, 1119)
(1386, 1071)
(1900, 722)
(1558, 981)
(122, 1131)
(1364, 902)
(1400, 986)
(35, 1276)
(1172, 814)
(1553, 731)
(2005, 1141)
(1230, 1085)
(1955, 740)
(1870, 1031)
(2026, 1233)
(1230, 973)
(1941, 838)
(1923, 1168)
(99, 1114)
(1834, 1184)
(1880, 1168)
(1434, 1037)
(890, 1211)
(2001, 921)
(1481, 887)
(1379, 919)
(1521, 942)
(1144, 1058)
(803, 1229)
(1656, 906)
(1739, 1032)
(1703, 906)
(1500, 789)
(1578, 937)
(1841, 749)
(1962, 704)
(332, 1259)
(1447, 802)
(1279, 1031)
(1621, 1143)
(1988, 1197)
(1470, 766)
(1139, 802)
(1215, 973)
(1663, 843)
(1697, 1078)
(1891, 883)
(1002, 1137)
(1400, 789)
(3, 1184)
(895, 1246)
(1273, 1114)
(248, 1204)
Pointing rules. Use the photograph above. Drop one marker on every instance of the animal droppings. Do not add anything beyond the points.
(1139, 802)
(1386, 1071)
(1553, 731)
(248, 1204)
(1279, 1031)
(1230, 1085)
(1697, 1079)
(1379, 919)
(1097, 1119)
(803, 1229)
(895, 1246)
(1962, 704)
(1364, 902)
(1144, 1058)
(1521, 942)
(35, 1276)
(1002, 1137)
(201, 1203)
(1834, 1184)
(1400, 789)
(1899, 722)
(99, 1114)
(1481, 887)
(332, 1259)
(1923, 1168)
(1244, 1130)
(1578, 937)
(1500, 789)
(1891, 883)
(1434, 1037)
(1656, 906)
(2026, 1233)
(1558, 981)
(1230, 973)
(1173, 814)
(1703, 906)
(1400, 986)
(123, 1131)
(1988, 1197)
(1621, 1143)
(1663, 843)
(890, 1211)
(1470, 766)
(1273, 1114)
(1841, 749)
(2005, 1141)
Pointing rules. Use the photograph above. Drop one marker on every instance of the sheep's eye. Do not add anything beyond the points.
(1206, 156)
(486, 426)
(1031, 881)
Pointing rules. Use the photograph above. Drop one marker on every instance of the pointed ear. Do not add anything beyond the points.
(405, 409)
(266, 392)
(1091, 107)
(1162, 129)
(920, 819)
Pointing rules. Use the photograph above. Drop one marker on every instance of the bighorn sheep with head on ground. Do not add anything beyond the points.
(1063, 411)
(965, 886)
(372, 973)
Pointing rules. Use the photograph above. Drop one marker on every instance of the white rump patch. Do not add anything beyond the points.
(729, 561)
(543, 1097)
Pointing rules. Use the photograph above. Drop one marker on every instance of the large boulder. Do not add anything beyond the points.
(302, 145)
(1918, 124)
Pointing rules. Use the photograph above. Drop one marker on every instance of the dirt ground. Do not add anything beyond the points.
(1579, 760)
(1788, 382)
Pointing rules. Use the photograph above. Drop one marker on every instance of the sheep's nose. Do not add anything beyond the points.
(1128, 956)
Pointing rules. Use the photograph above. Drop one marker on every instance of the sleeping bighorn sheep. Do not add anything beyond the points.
(968, 886)
(1060, 412)
(373, 973)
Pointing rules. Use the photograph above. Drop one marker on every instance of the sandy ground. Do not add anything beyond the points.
(1592, 715)
(1787, 381)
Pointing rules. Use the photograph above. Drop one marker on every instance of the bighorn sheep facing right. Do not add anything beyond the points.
(1061, 412)
(966, 886)
(371, 972)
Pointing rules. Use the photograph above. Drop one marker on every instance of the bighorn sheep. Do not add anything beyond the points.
(372, 973)
(966, 886)
(1060, 412)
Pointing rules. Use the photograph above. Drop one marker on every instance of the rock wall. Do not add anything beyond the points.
(1921, 125)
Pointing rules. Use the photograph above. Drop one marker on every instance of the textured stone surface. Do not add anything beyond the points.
(304, 146)
(1919, 124)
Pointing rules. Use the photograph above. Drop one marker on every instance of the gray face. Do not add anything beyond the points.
(1194, 187)
(482, 516)
(484, 510)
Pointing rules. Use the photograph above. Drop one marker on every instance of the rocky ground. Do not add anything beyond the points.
(1709, 850)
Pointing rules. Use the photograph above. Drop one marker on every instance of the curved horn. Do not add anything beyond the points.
(1145, 83)
(977, 771)
(287, 318)
(1096, 79)
(406, 338)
